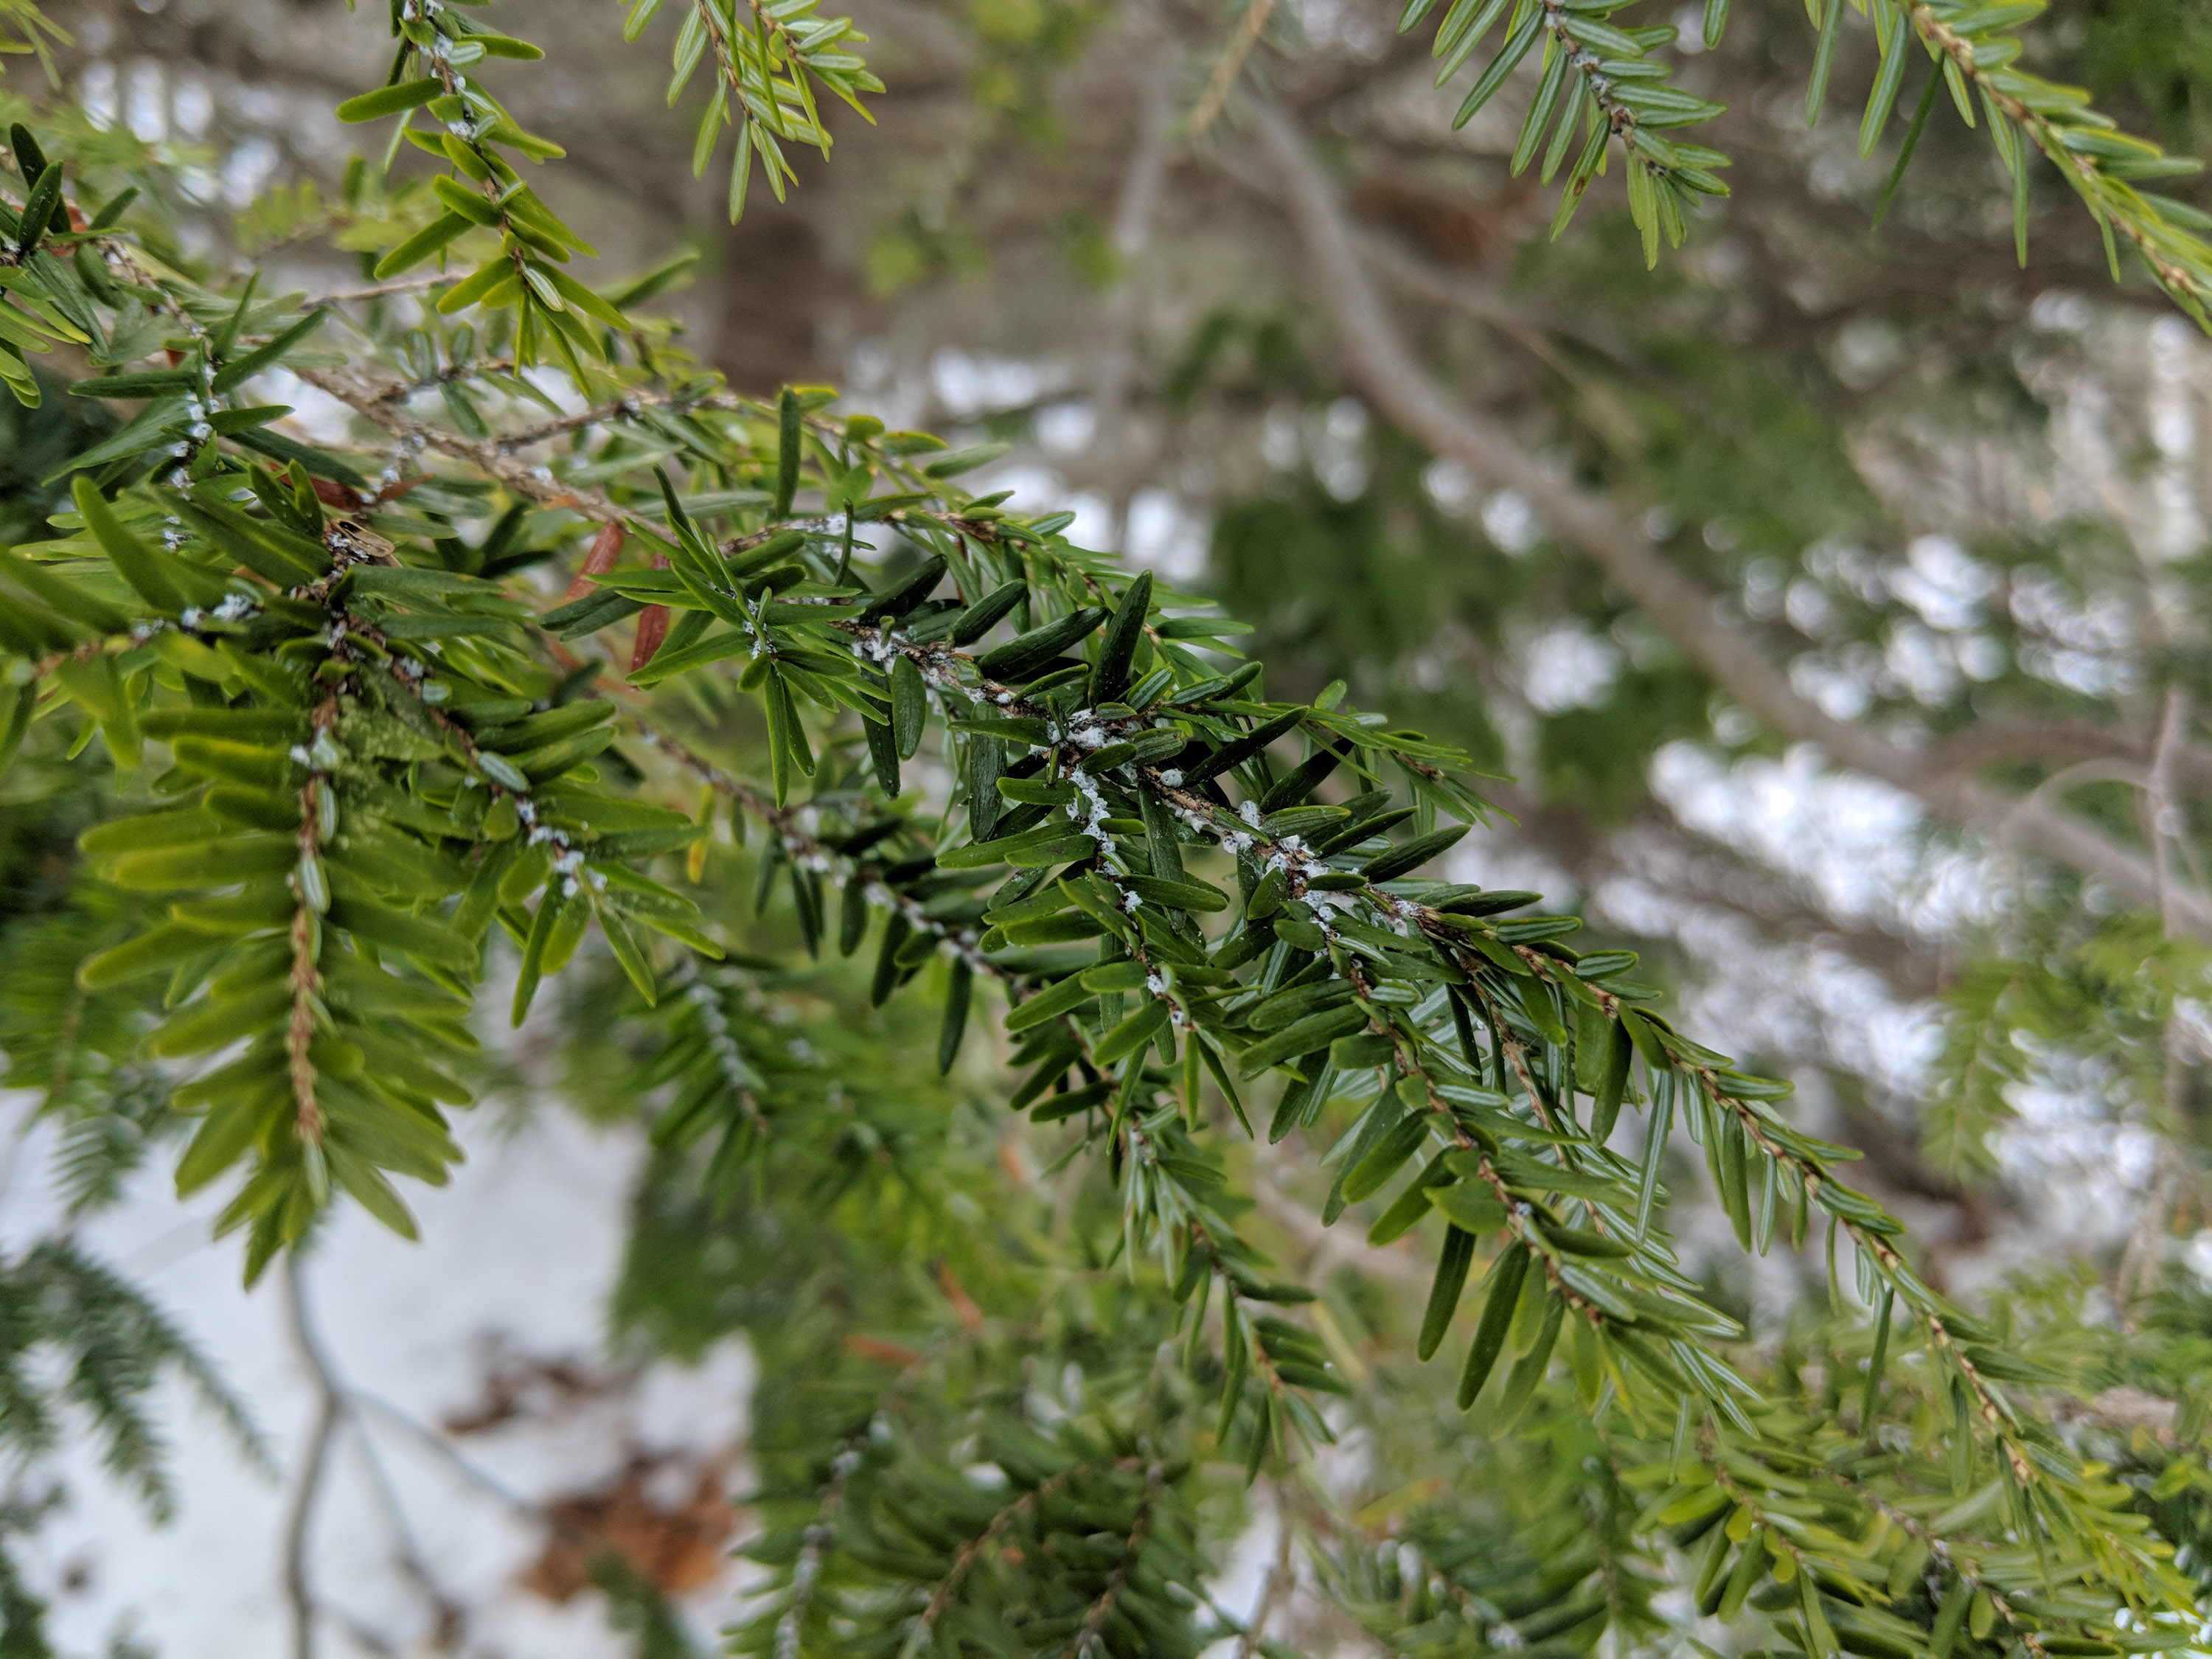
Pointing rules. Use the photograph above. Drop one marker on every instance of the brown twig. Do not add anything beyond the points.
(973, 1551)
(2049, 138)
(375, 405)
(1103, 1608)
(1992, 1410)
(305, 976)
(381, 290)
(1944, 1550)
(1240, 46)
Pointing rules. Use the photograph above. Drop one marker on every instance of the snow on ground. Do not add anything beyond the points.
(517, 1258)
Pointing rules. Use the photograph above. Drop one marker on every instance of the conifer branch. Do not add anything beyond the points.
(382, 756)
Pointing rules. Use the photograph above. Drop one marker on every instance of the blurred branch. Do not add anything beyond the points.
(1972, 749)
(336, 1408)
(330, 1409)
(1655, 849)
(2057, 741)
(448, 1618)
(1136, 206)
(398, 285)
(2066, 779)
(1531, 325)
(2162, 800)
(1385, 367)
(2162, 824)
(1525, 324)
(436, 1444)
(1278, 1581)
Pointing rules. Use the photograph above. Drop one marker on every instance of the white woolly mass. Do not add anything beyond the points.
(1093, 820)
